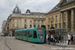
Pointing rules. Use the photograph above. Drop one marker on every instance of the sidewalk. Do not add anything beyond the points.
(62, 45)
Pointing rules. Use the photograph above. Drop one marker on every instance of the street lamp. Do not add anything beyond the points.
(51, 19)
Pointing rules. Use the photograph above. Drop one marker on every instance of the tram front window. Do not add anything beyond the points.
(40, 33)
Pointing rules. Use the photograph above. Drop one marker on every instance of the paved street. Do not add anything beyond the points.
(10, 43)
(15, 44)
(2, 44)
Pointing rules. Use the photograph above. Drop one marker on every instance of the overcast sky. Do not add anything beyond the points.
(7, 6)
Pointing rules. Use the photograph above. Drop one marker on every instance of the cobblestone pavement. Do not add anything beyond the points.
(15, 44)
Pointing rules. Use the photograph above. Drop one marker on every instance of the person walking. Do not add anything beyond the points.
(49, 39)
(69, 39)
(52, 38)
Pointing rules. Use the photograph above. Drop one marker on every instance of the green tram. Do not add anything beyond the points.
(36, 34)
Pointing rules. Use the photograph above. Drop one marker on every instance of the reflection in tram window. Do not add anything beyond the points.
(30, 34)
(17, 33)
(35, 35)
(20, 34)
(24, 33)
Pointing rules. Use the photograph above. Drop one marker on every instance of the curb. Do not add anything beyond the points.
(60, 45)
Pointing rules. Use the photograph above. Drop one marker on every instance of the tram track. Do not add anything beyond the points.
(1, 43)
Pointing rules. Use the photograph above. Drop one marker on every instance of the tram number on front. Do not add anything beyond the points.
(39, 30)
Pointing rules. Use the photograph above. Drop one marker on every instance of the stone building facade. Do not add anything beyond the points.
(23, 21)
(3, 26)
(62, 15)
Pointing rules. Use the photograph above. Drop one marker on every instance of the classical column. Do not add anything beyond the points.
(72, 20)
(66, 19)
(62, 20)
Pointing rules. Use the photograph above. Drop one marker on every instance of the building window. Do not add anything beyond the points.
(25, 26)
(30, 26)
(55, 25)
(17, 20)
(38, 25)
(34, 21)
(60, 17)
(48, 26)
(13, 25)
(56, 18)
(34, 25)
(59, 25)
(30, 21)
(38, 21)
(17, 25)
(49, 19)
(51, 25)
(64, 25)
(42, 21)
(25, 21)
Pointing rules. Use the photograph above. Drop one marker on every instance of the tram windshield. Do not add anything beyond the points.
(40, 33)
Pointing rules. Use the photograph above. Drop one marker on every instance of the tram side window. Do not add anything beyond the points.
(35, 35)
(17, 33)
(29, 33)
(20, 34)
(24, 33)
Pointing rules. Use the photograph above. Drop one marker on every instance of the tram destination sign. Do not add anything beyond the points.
(39, 30)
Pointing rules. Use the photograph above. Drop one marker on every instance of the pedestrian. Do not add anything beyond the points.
(69, 39)
(56, 38)
(59, 38)
(52, 38)
(49, 39)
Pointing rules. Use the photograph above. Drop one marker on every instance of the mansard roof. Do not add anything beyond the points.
(64, 2)
(28, 12)
(16, 10)
(54, 9)
(61, 3)
(33, 13)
